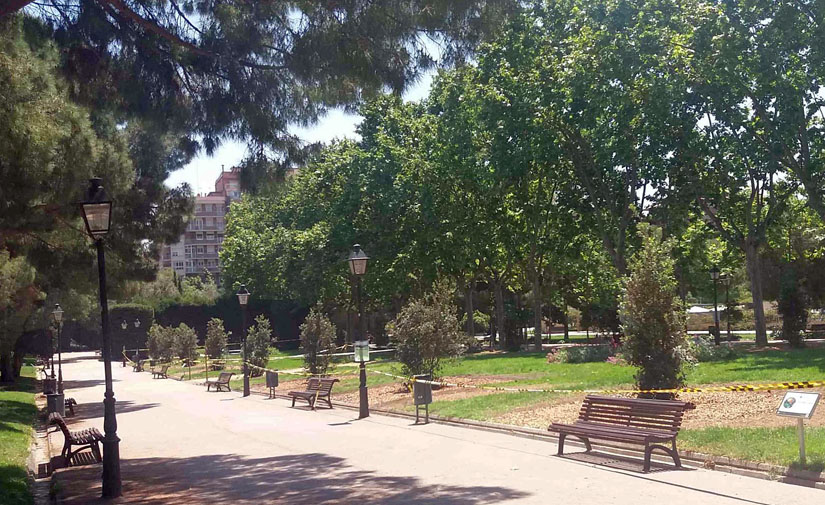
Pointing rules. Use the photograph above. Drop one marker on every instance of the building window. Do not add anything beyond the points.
(174, 253)
(199, 236)
(201, 249)
(179, 264)
(214, 208)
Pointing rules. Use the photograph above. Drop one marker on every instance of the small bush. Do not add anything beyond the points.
(651, 314)
(186, 341)
(426, 331)
(161, 342)
(257, 344)
(317, 342)
(701, 349)
(581, 354)
(216, 338)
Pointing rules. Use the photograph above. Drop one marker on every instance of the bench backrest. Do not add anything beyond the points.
(224, 377)
(55, 418)
(164, 369)
(660, 415)
(326, 386)
(313, 384)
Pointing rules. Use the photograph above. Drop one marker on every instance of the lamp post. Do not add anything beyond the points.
(97, 215)
(714, 275)
(358, 267)
(726, 279)
(57, 317)
(243, 299)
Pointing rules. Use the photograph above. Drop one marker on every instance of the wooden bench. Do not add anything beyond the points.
(221, 381)
(137, 366)
(89, 438)
(629, 420)
(317, 389)
(160, 373)
(217, 364)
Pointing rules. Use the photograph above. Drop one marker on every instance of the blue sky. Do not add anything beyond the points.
(202, 171)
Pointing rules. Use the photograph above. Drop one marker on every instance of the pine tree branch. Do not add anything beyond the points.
(12, 6)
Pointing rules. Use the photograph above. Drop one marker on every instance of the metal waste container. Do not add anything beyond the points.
(56, 403)
(422, 396)
(271, 382)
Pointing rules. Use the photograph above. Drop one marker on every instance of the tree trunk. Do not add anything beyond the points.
(6, 369)
(468, 308)
(566, 322)
(537, 311)
(499, 296)
(754, 267)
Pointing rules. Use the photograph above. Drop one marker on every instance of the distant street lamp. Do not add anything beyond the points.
(97, 214)
(358, 267)
(714, 274)
(726, 279)
(57, 317)
(243, 299)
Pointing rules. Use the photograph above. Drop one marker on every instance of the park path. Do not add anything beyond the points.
(180, 444)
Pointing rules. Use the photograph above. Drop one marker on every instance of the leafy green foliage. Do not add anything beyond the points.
(161, 343)
(185, 341)
(216, 338)
(701, 349)
(651, 314)
(317, 342)
(257, 343)
(793, 305)
(582, 354)
(426, 331)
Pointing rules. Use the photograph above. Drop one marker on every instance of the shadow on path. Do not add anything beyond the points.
(301, 479)
(92, 410)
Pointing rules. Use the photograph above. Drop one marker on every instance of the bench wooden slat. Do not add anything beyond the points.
(630, 420)
(221, 382)
(317, 389)
(88, 438)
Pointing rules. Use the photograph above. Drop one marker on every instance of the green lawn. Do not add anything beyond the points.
(771, 445)
(17, 415)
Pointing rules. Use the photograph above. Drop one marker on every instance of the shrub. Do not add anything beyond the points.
(317, 342)
(426, 331)
(581, 354)
(702, 348)
(186, 341)
(216, 338)
(257, 344)
(161, 342)
(651, 314)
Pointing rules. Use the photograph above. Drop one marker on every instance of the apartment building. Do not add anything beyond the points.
(196, 251)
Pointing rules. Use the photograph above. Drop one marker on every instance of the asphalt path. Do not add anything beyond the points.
(181, 444)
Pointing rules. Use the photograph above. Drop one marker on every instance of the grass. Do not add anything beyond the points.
(778, 446)
(17, 415)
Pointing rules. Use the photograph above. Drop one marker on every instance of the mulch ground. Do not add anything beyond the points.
(729, 409)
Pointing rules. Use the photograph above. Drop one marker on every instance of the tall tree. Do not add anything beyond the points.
(212, 70)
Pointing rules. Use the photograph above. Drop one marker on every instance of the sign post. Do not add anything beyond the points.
(801, 406)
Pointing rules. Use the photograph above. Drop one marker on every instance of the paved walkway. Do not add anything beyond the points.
(180, 444)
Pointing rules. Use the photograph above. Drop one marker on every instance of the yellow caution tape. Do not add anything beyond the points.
(710, 389)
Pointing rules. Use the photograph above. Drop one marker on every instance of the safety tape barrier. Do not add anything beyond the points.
(302, 374)
(709, 389)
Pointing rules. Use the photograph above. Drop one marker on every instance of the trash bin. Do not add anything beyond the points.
(56, 403)
(49, 386)
(271, 382)
(422, 396)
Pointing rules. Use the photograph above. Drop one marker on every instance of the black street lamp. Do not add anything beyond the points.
(727, 279)
(358, 267)
(714, 275)
(57, 317)
(243, 299)
(97, 214)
